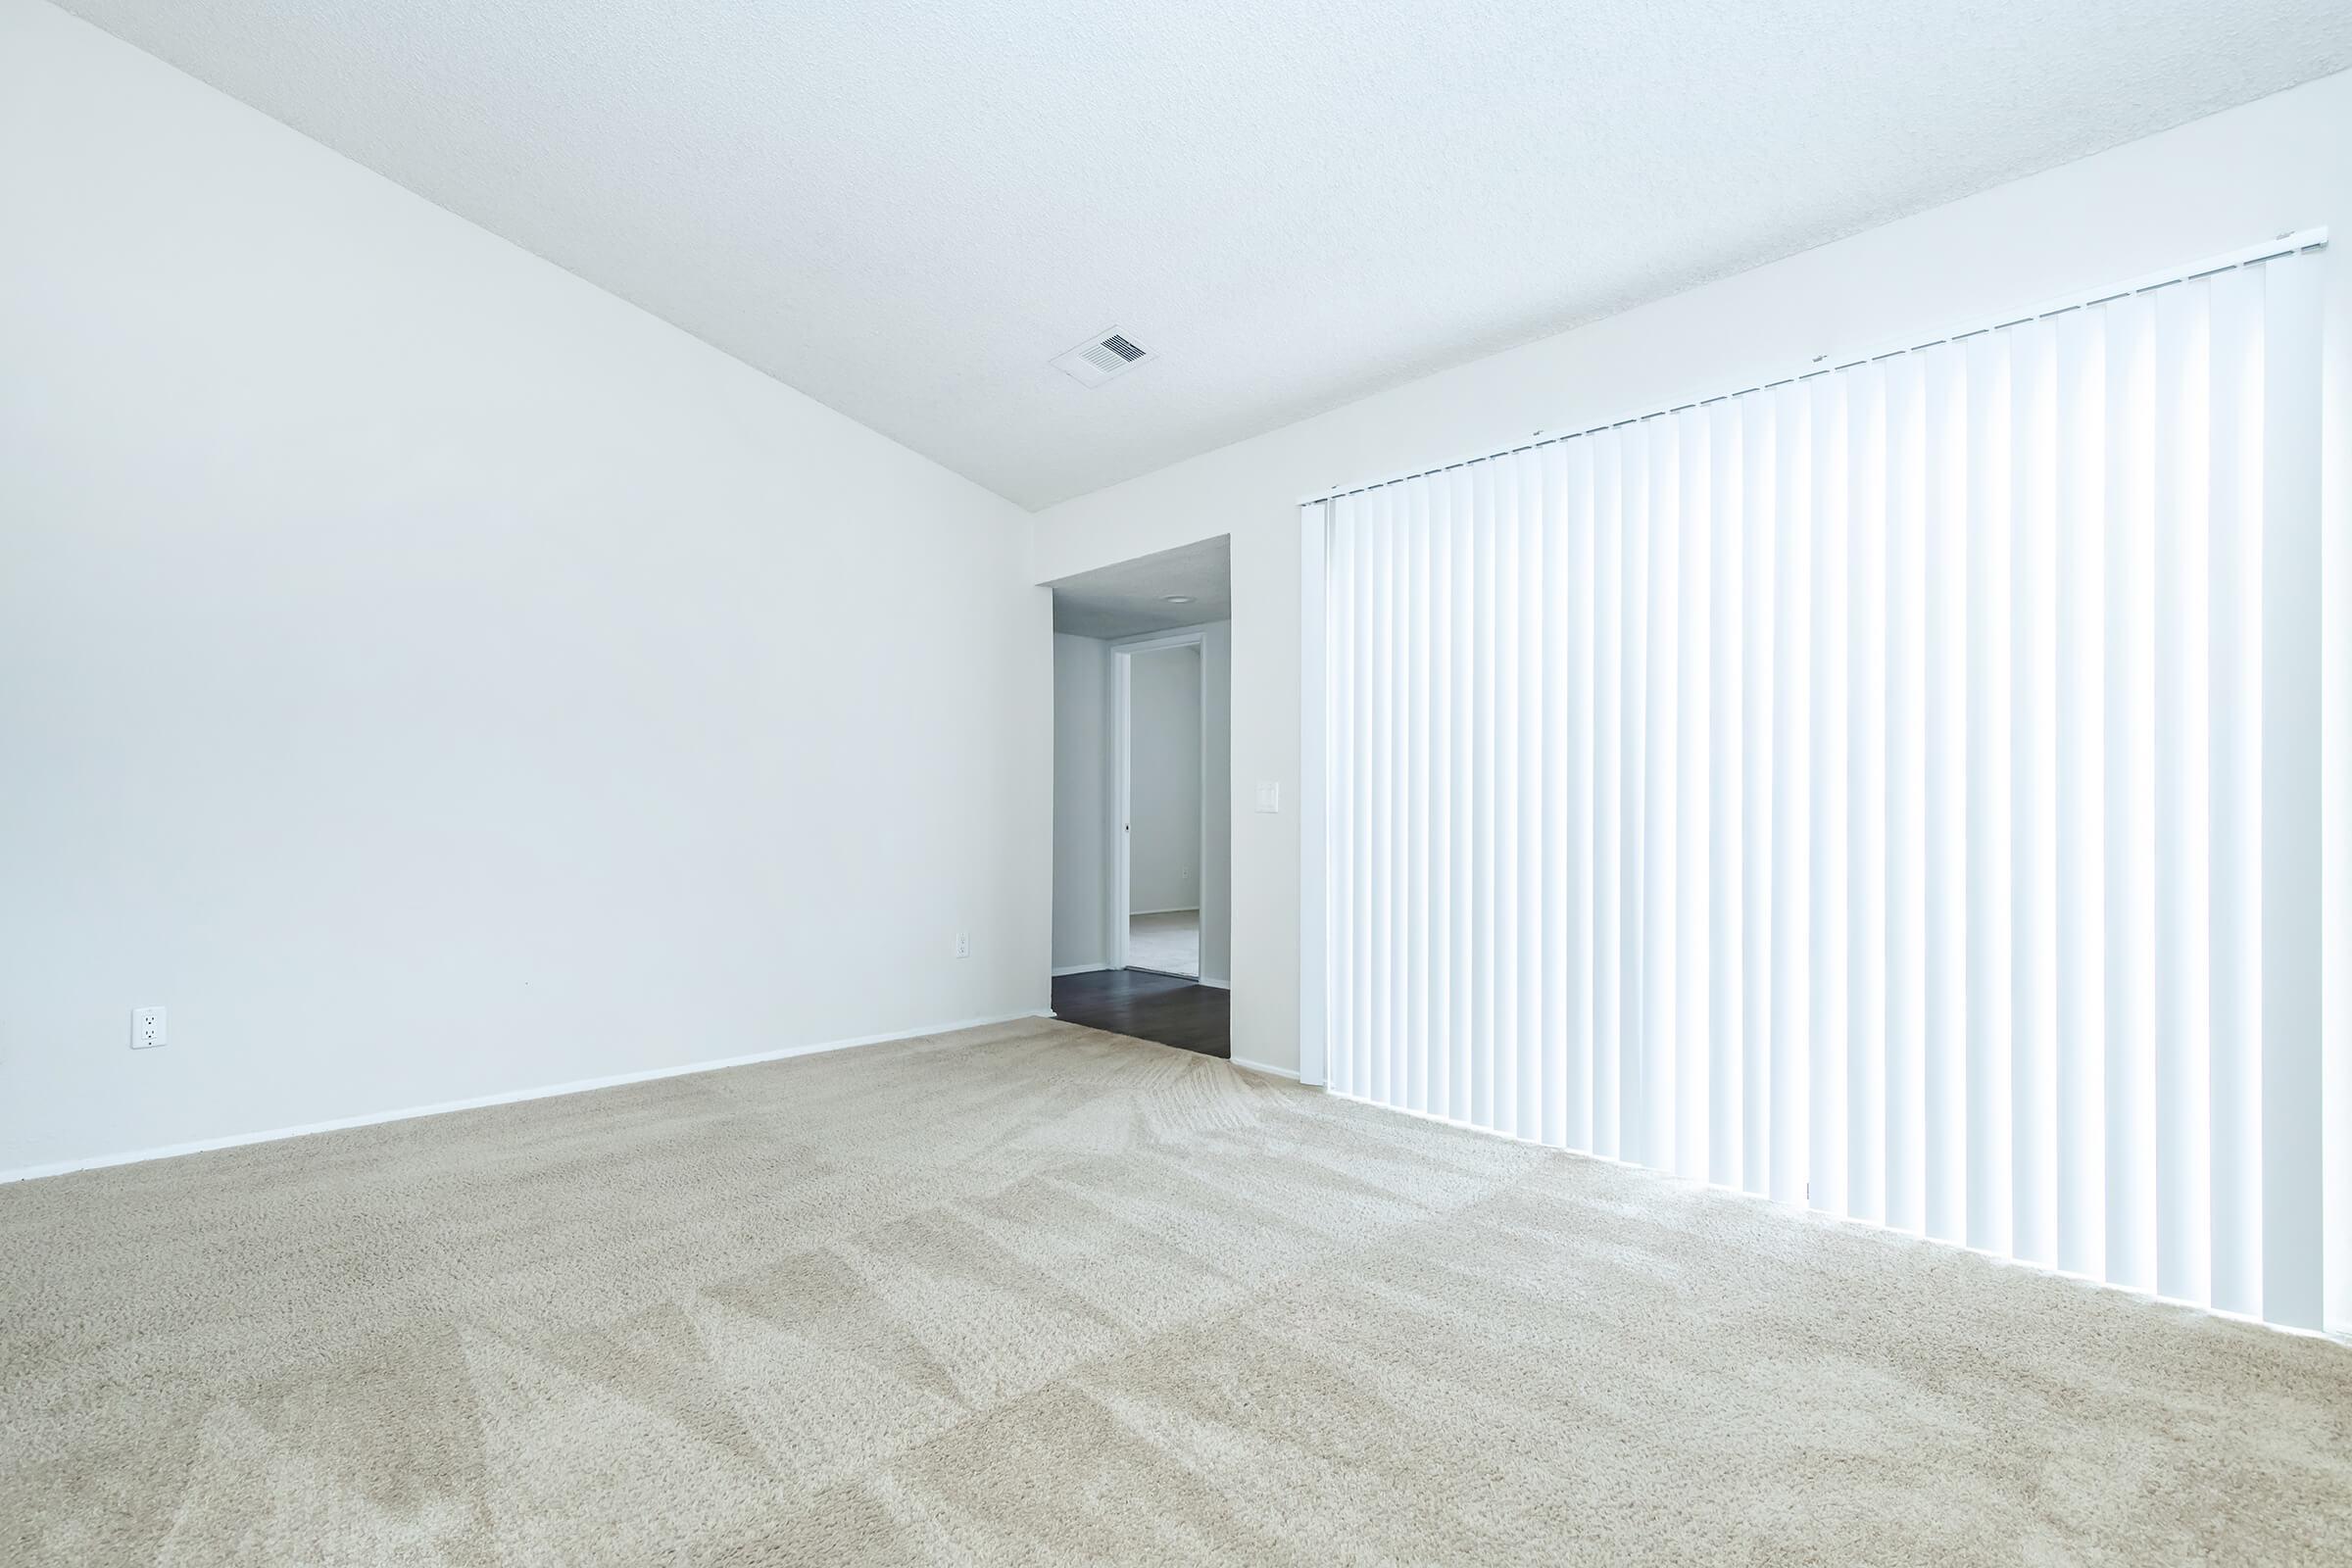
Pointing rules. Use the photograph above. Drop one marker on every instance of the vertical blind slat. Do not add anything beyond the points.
(1727, 849)
(1446, 1094)
(2303, 1255)
(1759, 552)
(1609, 790)
(1414, 1092)
(2081, 640)
(2184, 1017)
(1986, 809)
(1535, 742)
(1947, 650)
(1551, 600)
(2131, 794)
(1633, 798)
(1508, 734)
(1349, 695)
(1827, 942)
(1483, 882)
(2034, 794)
(2234, 734)
(1579, 571)
(1866, 796)
(1692, 1043)
(1791, 797)
(1906, 697)
(1660, 836)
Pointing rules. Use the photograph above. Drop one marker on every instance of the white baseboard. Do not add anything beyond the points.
(1181, 909)
(1221, 985)
(1267, 1067)
(507, 1097)
(1081, 968)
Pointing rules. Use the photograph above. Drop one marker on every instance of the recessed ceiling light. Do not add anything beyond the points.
(1175, 598)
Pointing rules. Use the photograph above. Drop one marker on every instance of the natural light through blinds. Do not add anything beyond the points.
(1897, 789)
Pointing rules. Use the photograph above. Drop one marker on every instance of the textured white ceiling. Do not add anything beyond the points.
(1130, 597)
(905, 207)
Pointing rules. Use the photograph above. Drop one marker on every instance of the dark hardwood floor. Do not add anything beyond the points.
(1148, 1007)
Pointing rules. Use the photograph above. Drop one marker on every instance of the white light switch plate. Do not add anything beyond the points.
(1269, 796)
(146, 1028)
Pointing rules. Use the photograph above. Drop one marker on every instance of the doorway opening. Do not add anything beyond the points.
(1143, 797)
(1161, 697)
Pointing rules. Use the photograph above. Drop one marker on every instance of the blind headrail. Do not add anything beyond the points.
(2287, 244)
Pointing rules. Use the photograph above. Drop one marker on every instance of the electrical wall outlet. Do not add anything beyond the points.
(963, 943)
(146, 1028)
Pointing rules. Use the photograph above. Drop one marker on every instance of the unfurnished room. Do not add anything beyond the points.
(863, 782)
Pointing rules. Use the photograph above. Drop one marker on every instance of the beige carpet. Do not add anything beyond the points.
(1038, 1294)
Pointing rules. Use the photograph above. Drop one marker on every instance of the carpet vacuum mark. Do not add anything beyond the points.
(1034, 1293)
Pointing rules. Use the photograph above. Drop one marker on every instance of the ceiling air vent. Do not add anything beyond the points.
(1100, 358)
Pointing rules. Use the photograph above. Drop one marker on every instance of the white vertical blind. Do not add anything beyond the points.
(1895, 791)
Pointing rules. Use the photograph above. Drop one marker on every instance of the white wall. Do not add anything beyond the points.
(430, 677)
(1082, 785)
(1163, 791)
(2282, 163)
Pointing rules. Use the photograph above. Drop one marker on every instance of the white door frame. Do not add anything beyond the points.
(1122, 653)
